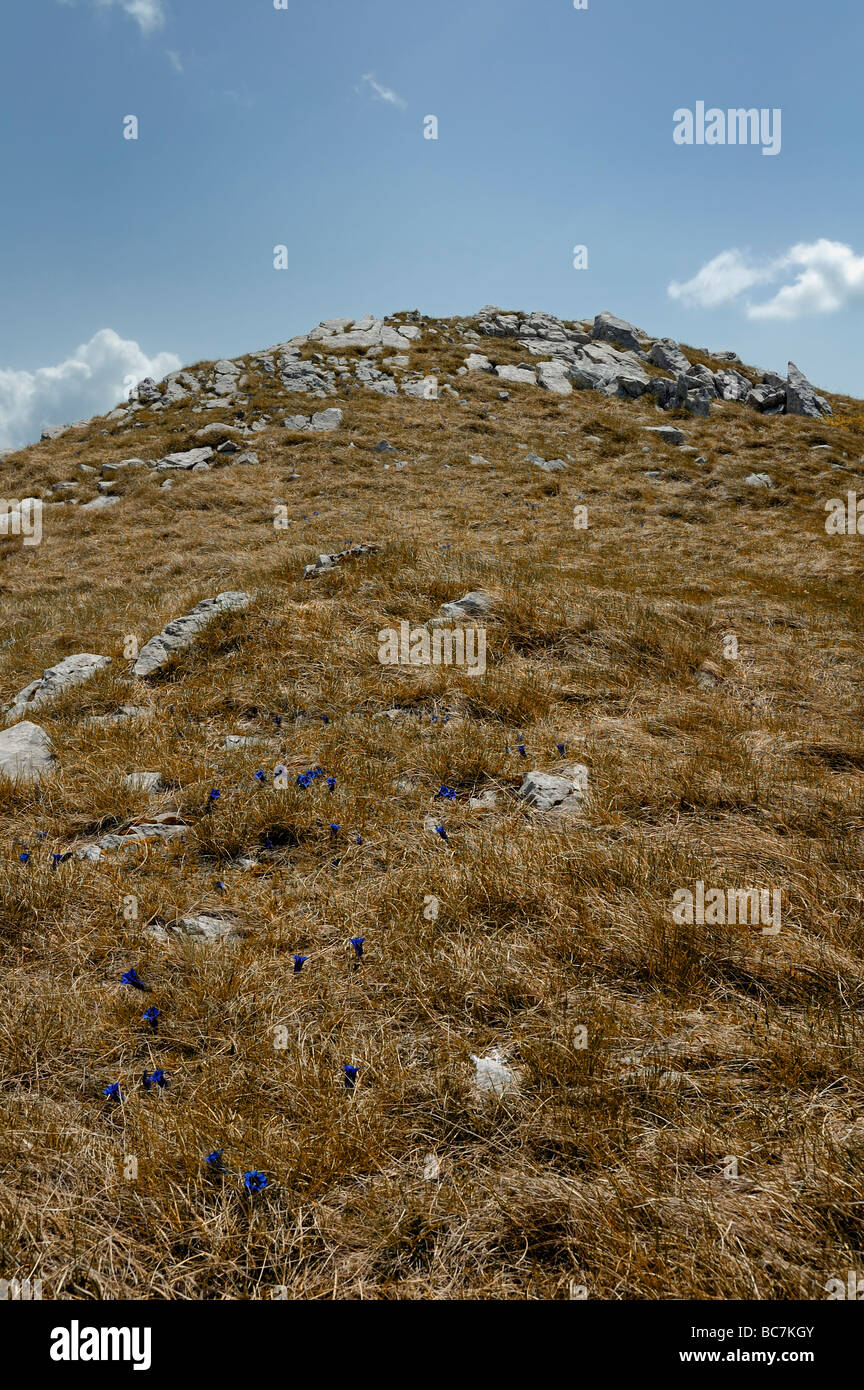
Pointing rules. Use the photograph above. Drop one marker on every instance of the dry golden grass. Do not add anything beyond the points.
(605, 1169)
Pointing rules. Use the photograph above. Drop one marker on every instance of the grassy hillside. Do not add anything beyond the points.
(606, 1167)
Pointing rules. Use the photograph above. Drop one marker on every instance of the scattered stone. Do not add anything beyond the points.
(487, 801)
(325, 420)
(25, 752)
(234, 741)
(426, 389)
(759, 480)
(709, 675)
(125, 713)
(181, 632)
(548, 465)
(72, 670)
(477, 362)
(98, 504)
(144, 781)
(198, 928)
(492, 1075)
(110, 470)
(668, 433)
(524, 376)
(327, 562)
(217, 433)
(185, 459)
(165, 826)
(472, 605)
(544, 790)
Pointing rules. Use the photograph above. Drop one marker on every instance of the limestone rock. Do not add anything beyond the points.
(524, 376)
(553, 376)
(801, 398)
(667, 354)
(181, 632)
(72, 670)
(144, 781)
(475, 604)
(186, 458)
(610, 329)
(668, 433)
(492, 1075)
(544, 790)
(25, 752)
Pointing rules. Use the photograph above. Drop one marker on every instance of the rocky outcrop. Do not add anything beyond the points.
(801, 398)
(181, 632)
(72, 670)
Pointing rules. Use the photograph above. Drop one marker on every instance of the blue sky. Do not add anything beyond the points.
(304, 126)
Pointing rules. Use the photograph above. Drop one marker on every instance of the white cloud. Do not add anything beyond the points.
(719, 281)
(89, 382)
(149, 14)
(383, 93)
(826, 276)
(174, 60)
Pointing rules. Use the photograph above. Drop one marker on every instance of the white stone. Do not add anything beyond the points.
(25, 752)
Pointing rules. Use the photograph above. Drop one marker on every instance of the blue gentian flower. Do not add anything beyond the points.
(222, 886)
(325, 719)
(350, 1076)
(447, 792)
(562, 747)
(157, 1078)
(131, 977)
(358, 839)
(59, 859)
(214, 794)
(299, 962)
(24, 858)
(255, 1182)
(113, 1091)
(278, 719)
(520, 749)
(259, 776)
(439, 830)
(334, 830)
(357, 943)
(304, 780)
(214, 1160)
(151, 1016)
(331, 783)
